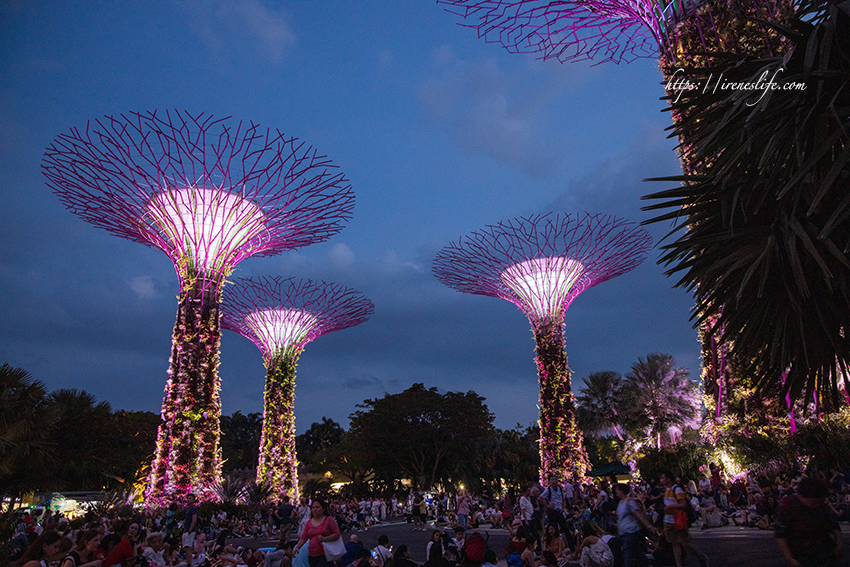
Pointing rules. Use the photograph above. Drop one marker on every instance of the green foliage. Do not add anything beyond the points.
(320, 437)
(600, 403)
(27, 424)
(684, 460)
(763, 216)
(421, 434)
(240, 440)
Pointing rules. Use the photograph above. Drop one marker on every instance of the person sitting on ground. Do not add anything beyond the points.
(43, 550)
(709, 512)
(154, 551)
(548, 560)
(527, 555)
(490, 559)
(122, 553)
(362, 559)
(553, 542)
(280, 557)
(592, 551)
(401, 557)
(352, 548)
(82, 555)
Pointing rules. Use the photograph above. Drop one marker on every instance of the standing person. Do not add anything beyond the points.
(321, 528)
(463, 501)
(679, 538)
(805, 532)
(416, 511)
(303, 514)
(42, 551)
(190, 528)
(284, 515)
(630, 519)
(552, 500)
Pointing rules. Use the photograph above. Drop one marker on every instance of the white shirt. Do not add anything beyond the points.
(526, 508)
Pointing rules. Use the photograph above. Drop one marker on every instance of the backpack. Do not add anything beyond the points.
(475, 547)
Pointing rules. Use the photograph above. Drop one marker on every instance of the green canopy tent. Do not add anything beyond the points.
(615, 468)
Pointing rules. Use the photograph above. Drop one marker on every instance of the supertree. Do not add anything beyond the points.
(682, 33)
(281, 316)
(209, 193)
(541, 264)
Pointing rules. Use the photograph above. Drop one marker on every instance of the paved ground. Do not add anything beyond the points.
(730, 546)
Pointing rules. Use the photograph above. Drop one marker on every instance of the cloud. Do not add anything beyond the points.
(143, 286)
(221, 26)
(485, 110)
(341, 255)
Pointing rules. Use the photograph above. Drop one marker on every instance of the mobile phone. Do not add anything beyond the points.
(374, 554)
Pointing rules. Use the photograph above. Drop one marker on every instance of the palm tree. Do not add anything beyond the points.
(600, 402)
(81, 464)
(662, 400)
(763, 231)
(26, 426)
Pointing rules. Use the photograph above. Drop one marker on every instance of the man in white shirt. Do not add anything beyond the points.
(553, 500)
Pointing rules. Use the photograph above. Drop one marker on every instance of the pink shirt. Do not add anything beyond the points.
(326, 528)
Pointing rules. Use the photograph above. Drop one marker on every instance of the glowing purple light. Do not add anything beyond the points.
(279, 328)
(543, 284)
(207, 225)
(599, 30)
(541, 264)
(209, 193)
(281, 316)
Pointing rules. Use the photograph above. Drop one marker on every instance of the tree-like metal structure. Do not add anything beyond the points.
(209, 193)
(541, 264)
(281, 316)
(683, 34)
(620, 30)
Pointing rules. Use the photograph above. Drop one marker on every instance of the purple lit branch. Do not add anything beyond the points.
(599, 30)
(542, 263)
(208, 191)
(281, 313)
(281, 316)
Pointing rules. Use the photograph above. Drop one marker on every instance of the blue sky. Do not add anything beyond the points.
(440, 134)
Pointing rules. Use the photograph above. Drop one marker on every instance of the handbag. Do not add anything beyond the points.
(680, 520)
(334, 549)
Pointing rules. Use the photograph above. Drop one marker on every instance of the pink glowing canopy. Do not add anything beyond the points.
(598, 30)
(208, 192)
(542, 263)
(278, 314)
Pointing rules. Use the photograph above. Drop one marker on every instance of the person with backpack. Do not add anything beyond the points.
(630, 521)
(553, 501)
(676, 522)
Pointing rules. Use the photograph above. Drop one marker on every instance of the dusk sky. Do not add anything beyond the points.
(439, 133)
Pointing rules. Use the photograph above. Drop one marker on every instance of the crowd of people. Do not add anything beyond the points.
(595, 524)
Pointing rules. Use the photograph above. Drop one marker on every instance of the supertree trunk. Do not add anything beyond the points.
(188, 454)
(278, 464)
(562, 450)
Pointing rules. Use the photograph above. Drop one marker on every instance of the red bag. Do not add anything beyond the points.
(680, 520)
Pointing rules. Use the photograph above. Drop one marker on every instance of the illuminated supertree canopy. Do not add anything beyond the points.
(612, 30)
(683, 34)
(281, 316)
(541, 264)
(209, 193)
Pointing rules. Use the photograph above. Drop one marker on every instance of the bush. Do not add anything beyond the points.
(683, 460)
